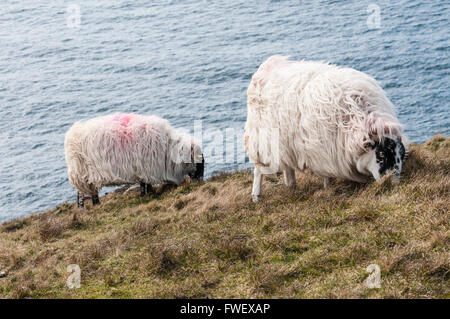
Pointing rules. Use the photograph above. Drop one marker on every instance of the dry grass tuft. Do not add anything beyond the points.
(14, 225)
(206, 240)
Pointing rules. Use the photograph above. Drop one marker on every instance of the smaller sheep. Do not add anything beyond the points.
(128, 149)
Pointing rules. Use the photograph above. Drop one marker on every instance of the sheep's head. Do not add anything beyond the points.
(197, 174)
(383, 157)
(186, 154)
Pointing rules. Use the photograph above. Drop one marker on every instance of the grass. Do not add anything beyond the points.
(208, 240)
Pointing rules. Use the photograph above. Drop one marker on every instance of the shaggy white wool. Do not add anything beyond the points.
(315, 115)
(126, 149)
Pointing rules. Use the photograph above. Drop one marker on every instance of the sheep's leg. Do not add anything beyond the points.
(80, 200)
(257, 180)
(289, 177)
(146, 189)
(95, 200)
(326, 181)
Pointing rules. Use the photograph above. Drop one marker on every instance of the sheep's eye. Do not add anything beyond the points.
(381, 155)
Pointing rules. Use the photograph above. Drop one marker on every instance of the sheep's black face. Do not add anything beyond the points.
(199, 169)
(389, 156)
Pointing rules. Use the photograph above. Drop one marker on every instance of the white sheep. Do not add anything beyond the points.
(127, 149)
(337, 122)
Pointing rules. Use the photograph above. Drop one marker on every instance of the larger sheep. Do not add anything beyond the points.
(337, 122)
(127, 149)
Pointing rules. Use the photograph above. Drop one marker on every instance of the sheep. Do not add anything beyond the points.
(128, 149)
(337, 122)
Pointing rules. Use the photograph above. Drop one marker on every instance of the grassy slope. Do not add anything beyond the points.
(210, 240)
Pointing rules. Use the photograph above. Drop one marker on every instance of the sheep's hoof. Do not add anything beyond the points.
(256, 198)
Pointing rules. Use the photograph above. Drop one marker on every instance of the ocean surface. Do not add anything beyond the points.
(190, 62)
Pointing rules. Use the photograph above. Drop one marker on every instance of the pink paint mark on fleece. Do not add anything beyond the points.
(124, 131)
(123, 119)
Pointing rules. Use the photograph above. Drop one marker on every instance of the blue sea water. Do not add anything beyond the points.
(189, 61)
